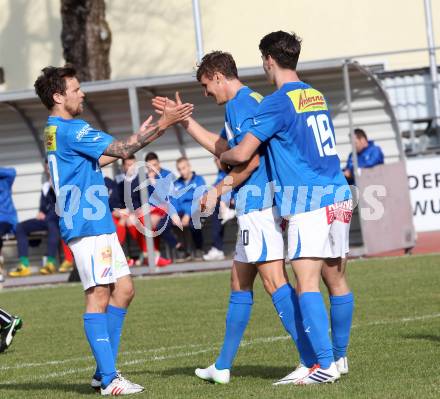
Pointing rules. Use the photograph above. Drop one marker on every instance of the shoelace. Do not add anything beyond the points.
(121, 377)
(128, 382)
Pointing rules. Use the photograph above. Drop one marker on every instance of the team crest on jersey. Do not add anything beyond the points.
(50, 138)
(307, 100)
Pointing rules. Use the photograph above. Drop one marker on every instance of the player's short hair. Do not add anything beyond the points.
(217, 61)
(360, 134)
(151, 156)
(52, 81)
(181, 159)
(283, 47)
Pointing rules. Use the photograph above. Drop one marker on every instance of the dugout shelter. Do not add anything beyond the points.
(356, 98)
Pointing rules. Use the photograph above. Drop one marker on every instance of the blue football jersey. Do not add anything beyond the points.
(73, 149)
(296, 124)
(253, 194)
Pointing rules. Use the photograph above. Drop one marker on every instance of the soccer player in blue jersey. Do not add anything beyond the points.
(294, 124)
(260, 247)
(76, 151)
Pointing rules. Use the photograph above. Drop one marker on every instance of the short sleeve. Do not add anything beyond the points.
(223, 134)
(86, 140)
(269, 119)
(244, 127)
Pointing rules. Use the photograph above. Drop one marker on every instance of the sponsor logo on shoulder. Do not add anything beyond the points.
(307, 100)
(256, 96)
(84, 130)
(50, 138)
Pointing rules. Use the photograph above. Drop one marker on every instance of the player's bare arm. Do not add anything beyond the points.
(242, 152)
(105, 160)
(238, 175)
(208, 140)
(148, 132)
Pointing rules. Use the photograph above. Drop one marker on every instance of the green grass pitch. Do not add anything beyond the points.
(176, 324)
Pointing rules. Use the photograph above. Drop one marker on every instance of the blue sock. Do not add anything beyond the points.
(239, 313)
(95, 327)
(341, 315)
(282, 300)
(306, 353)
(315, 322)
(115, 321)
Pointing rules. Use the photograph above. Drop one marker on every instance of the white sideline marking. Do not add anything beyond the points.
(185, 354)
(88, 358)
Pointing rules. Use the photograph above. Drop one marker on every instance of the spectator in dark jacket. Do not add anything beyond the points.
(368, 153)
(46, 220)
(186, 186)
(8, 214)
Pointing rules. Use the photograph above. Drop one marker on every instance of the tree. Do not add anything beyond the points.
(86, 38)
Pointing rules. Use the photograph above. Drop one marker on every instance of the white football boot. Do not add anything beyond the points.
(214, 375)
(317, 375)
(342, 365)
(121, 386)
(299, 373)
(96, 384)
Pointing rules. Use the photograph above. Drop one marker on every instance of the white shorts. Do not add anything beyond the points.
(322, 233)
(260, 238)
(100, 260)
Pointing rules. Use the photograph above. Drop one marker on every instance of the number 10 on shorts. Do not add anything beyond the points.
(244, 235)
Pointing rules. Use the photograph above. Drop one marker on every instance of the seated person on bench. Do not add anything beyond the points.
(8, 214)
(46, 220)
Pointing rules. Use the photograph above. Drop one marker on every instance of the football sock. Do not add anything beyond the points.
(315, 323)
(51, 259)
(237, 318)
(115, 321)
(95, 327)
(5, 318)
(282, 300)
(306, 353)
(341, 315)
(24, 260)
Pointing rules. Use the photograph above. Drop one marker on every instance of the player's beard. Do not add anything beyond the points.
(74, 111)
